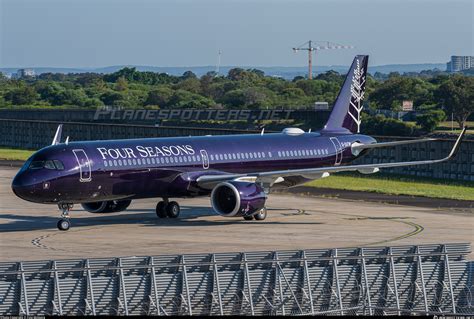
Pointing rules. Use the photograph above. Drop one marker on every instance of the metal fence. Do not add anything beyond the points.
(425, 279)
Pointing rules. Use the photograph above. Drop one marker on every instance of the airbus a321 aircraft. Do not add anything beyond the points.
(237, 171)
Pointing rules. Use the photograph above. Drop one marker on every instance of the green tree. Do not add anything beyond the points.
(390, 94)
(456, 94)
(121, 84)
(160, 97)
(185, 99)
(188, 75)
(22, 96)
(429, 118)
(191, 84)
(111, 98)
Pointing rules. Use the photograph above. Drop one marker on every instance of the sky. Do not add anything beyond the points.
(98, 33)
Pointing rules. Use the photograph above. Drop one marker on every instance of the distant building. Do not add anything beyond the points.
(407, 106)
(321, 106)
(459, 63)
(23, 73)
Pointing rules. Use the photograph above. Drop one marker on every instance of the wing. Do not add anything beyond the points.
(358, 147)
(273, 177)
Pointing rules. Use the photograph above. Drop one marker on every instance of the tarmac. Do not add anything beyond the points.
(28, 230)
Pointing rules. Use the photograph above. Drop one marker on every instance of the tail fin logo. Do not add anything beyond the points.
(357, 95)
(346, 114)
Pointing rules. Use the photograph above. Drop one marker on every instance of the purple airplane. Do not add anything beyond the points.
(237, 171)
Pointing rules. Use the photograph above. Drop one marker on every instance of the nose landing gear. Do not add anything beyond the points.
(64, 223)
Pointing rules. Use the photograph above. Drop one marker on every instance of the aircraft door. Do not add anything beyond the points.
(205, 159)
(338, 148)
(85, 171)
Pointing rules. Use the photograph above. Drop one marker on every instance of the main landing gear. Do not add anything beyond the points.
(64, 223)
(261, 215)
(167, 209)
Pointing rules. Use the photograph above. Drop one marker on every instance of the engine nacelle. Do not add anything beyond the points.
(111, 206)
(235, 198)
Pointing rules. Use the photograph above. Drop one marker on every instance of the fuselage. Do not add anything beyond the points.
(89, 171)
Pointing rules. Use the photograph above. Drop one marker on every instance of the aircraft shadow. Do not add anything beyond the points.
(190, 216)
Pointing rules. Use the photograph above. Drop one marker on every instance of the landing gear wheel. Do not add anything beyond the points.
(172, 210)
(248, 217)
(64, 224)
(261, 215)
(161, 209)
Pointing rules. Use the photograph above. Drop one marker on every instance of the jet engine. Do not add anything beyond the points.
(235, 198)
(107, 206)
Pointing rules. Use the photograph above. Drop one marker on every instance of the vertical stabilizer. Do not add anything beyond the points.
(346, 113)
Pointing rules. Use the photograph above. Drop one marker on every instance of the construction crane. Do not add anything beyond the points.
(311, 46)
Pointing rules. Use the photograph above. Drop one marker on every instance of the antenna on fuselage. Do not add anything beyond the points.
(263, 130)
(309, 131)
(57, 136)
(67, 140)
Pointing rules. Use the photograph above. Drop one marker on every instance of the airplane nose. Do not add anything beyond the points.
(23, 187)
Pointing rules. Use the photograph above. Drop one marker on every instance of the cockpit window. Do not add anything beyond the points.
(36, 164)
(59, 165)
(48, 164)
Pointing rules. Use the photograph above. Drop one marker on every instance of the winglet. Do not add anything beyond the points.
(57, 136)
(456, 145)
